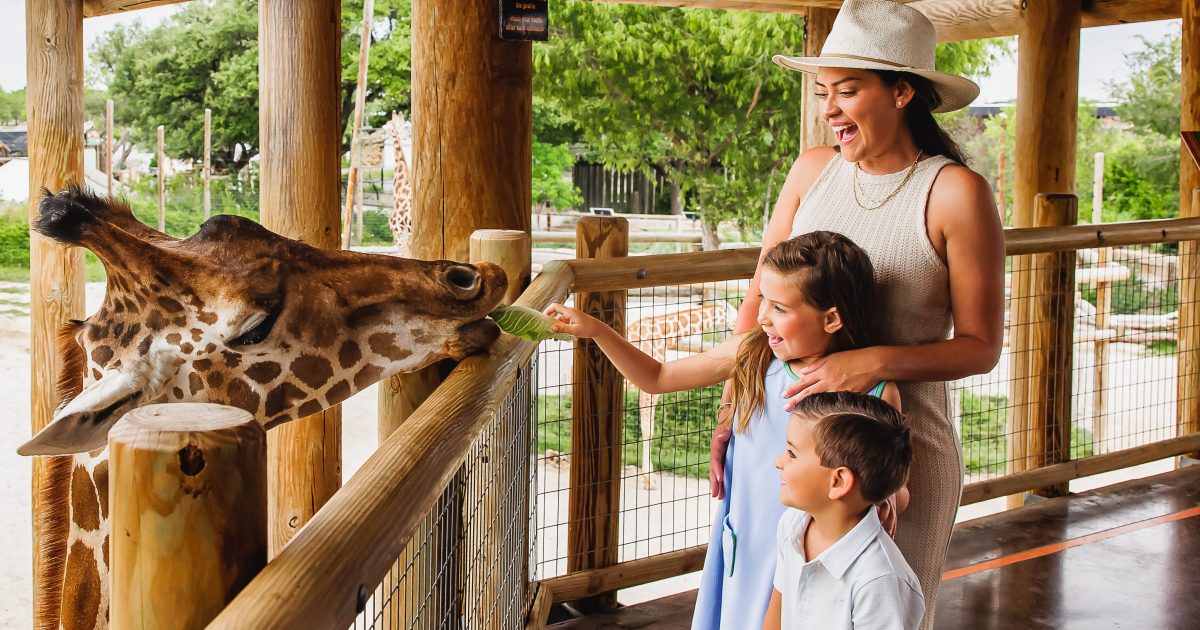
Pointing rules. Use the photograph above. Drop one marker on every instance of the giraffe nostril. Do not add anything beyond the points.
(464, 278)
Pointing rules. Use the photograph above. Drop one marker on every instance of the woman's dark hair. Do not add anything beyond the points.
(831, 271)
(929, 136)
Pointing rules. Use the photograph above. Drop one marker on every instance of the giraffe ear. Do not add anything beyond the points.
(82, 424)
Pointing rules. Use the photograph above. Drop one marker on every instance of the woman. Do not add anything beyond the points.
(897, 186)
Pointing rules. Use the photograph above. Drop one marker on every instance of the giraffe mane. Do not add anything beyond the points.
(54, 521)
(70, 376)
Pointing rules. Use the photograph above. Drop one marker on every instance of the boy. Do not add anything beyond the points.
(845, 453)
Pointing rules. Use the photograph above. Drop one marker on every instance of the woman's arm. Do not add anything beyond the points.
(644, 371)
(965, 229)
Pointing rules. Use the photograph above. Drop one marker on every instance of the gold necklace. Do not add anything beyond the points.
(912, 169)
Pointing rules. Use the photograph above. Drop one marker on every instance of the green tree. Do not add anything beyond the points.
(206, 55)
(1149, 97)
(12, 106)
(691, 94)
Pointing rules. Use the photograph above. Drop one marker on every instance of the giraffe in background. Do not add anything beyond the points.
(400, 220)
(656, 334)
(235, 315)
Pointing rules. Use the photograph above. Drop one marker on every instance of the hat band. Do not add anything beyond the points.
(870, 59)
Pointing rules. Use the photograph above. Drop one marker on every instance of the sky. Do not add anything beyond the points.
(1102, 51)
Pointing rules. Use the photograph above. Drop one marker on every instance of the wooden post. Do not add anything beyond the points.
(1000, 186)
(300, 135)
(1188, 344)
(207, 173)
(1051, 357)
(1047, 110)
(358, 207)
(108, 145)
(1103, 308)
(597, 406)
(189, 512)
(512, 251)
(54, 102)
(360, 88)
(162, 173)
(817, 132)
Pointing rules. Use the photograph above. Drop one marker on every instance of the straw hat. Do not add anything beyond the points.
(886, 35)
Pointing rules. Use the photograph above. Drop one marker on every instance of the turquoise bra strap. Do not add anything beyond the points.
(877, 391)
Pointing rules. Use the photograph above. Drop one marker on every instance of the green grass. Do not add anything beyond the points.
(985, 434)
(1162, 348)
(682, 428)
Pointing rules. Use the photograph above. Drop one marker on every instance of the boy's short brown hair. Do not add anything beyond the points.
(862, 433)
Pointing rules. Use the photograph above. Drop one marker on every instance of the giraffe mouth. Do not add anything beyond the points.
(472, 338)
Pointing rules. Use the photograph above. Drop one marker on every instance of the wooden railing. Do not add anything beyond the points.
(321, 579)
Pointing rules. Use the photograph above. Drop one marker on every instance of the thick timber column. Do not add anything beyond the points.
(1188, 356)
(817, 133)
(54, 100)
(1047, 106)
(472, 147)
(300, 135)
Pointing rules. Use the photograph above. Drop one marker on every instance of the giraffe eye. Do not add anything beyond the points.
(260, 330)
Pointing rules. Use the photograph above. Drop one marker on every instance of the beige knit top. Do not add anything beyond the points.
(914, 282)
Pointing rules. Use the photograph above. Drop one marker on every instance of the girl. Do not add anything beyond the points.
(818, 297)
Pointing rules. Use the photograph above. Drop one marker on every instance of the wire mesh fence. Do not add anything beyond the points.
(1119, 305)
(467, 564)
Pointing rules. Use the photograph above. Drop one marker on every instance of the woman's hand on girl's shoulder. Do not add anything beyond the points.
(573, 321)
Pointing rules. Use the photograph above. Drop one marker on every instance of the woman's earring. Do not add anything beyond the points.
(899, 104)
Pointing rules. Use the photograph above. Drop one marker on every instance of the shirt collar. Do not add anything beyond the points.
(841, 554)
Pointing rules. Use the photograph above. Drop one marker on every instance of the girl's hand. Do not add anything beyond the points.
(716, 452)
(852, 370)
(573, 321)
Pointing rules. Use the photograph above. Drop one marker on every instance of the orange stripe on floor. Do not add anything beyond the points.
(1045, 550)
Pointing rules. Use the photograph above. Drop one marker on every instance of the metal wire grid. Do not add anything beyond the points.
(1123, 375)
(660, 511)
(467, 564)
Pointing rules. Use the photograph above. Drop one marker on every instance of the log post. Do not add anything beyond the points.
(816, 133)
(54, 102)
(189, 512)
(1051, 357)
(161, 172)
(1103, 308)
(1047, 110)
(597, 414)
(207, 172)
(512, 251)
(108, 145)
(1188, 345)
(300, 135)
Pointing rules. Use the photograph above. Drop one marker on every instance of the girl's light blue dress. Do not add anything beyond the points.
(735, 587)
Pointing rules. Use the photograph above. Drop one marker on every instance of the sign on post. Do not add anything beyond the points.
(524, 20)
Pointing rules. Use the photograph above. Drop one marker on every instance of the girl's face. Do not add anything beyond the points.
(795, 329)
(804, 482)
(862, 110)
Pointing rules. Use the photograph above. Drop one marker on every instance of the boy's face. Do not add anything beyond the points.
(805, 483)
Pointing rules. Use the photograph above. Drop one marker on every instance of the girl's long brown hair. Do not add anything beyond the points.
(830, 271)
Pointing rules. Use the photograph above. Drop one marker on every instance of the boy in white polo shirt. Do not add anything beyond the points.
(836, 567)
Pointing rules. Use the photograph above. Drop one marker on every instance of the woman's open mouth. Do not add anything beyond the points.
(845, 133)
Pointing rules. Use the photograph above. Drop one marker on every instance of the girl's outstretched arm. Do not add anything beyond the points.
(644, 371)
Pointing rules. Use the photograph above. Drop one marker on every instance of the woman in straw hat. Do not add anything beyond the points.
(897, 185)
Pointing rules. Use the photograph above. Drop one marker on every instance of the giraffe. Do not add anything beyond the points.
(656, 334)
(235, 315)
(400, 220)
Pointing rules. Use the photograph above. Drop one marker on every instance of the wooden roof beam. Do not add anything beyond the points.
(96, 8)
(958, 20)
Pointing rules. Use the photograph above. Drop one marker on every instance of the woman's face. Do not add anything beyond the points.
(862, 110)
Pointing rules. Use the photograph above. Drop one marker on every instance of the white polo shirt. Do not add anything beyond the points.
(861, 581)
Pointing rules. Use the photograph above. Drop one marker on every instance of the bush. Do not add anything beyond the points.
(14, 243)
(985, 434)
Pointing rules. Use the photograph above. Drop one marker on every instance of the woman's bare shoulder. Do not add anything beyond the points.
(960, 191)
(815, 158)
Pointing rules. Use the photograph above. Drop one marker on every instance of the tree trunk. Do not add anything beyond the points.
(709, 238)
(676, 198)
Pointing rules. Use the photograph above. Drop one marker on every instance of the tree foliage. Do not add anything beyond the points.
(692, 94)
(12, 106)
(1149, 97)
(206, 55)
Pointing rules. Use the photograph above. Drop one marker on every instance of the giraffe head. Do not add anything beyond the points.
(239, 315)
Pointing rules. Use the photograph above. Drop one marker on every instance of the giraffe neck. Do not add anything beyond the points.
(73, 553)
